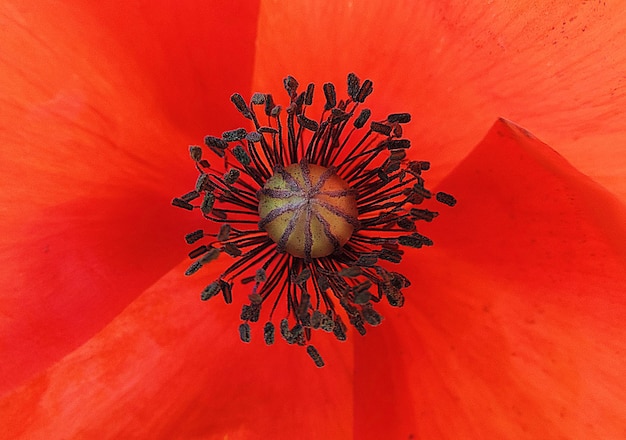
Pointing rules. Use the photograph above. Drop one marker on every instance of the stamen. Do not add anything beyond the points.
(210, 291)
(180, 203)
(360, 121)
(194, 236)
(195, 152)
(268, 333)
(311, 211)
(241, 105)
(401, 118)
(244, 332)
(446, 199)
(312, 351)
(331, 96)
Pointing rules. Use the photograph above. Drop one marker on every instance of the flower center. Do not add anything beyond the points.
(307, 210)
(313, 212)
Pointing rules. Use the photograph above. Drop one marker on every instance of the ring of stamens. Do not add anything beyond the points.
(307, 210)
(311, 212)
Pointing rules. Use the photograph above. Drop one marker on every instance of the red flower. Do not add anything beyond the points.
(514, 327)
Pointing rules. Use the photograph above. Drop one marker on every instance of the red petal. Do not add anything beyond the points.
(456, 66)
(514, 326)
(95, 98)
(171, 366)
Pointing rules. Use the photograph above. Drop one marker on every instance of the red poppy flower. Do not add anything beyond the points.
(514, 324)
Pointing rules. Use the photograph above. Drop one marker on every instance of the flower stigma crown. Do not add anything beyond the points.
(312, 213)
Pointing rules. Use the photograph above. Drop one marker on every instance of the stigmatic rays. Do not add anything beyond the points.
(312, 213)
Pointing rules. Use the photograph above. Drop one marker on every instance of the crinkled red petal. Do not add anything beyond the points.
(513, 327)
(99, 104)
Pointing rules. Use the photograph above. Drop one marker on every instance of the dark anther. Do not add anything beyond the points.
(270, 130)
(399, 281)
(297, 331)
(331, 96)
(367, 260)
(246, 312)
(232, 250)
(241, 155)
(397, 155)
(445, 198)
(423, 165)
(244, 332)
(307, 123)
(241, 105)
(204, 163)
(198, 251)
(195, 152)
(210, 255)
(392, 167)
(362, 118)
(224, 232)
(180, 203)
(406, 224)
(216, 145)
(192, 195)
(207, 203)
(312, 351)
(254, 136)
(380, 128)
(284, 331)
(195, 267)
(194, 236)
(234, 135)
(414, 240)
(401, 118)
(210, 291)
(423, 214)
(231, 176)
(366, 89)
(316, 319)
(353, 86)
(268, 333)
(326, 323)
(269, 105)
(291, 85)
(339, 329)
(258, 98)
(371, 316)
(389, 255)
(227, 291)
(308, 96)
(255, 312)
(202, 182)
(397, 144)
